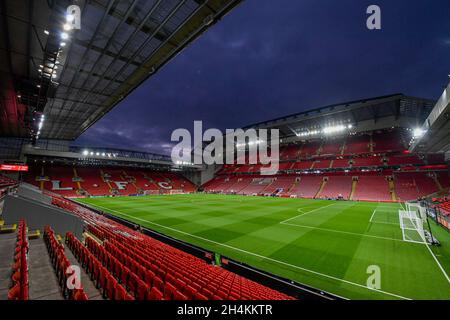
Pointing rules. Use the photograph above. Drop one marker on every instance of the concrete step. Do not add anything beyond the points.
(42, 277)
(7, 246)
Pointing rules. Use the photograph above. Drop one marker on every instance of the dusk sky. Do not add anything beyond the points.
(267, 59)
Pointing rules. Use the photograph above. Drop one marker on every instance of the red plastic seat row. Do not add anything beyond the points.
(195, 283)
(19, 288)
(136, 251)
(139, 282)
(61, 264)
(111, 288)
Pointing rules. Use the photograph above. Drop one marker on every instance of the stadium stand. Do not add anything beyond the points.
(280, 185)
(336, 187)
(411, 186)
(372, 188)
(82, 181)
(306, 187)
(357, 144)
(149, 269)
(19, 278)
(375, 165)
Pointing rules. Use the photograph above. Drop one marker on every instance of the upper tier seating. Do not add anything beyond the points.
(357, 144)
(150, 269)
(331, 147)
(341, 163)
(337, 186)
(372, 188)
(302, 165)
(309, 149)
(322, 164)
(387, 141)
(367, 162)
(404, 160)
(289, 152)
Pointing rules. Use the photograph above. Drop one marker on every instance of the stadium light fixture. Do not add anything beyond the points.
(85, 152)
(333, 129)
(64, 36)
(67, 27)
(62, 44)
(418, 132)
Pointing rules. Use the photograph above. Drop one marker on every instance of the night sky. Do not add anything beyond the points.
(269, 58)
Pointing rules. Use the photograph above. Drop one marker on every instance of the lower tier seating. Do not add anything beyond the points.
(372, 188)
(371, 185)
(337, 187)
(149, 269)
(19, 289)
(62, 268)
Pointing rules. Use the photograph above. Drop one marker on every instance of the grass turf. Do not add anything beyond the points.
(324, 244)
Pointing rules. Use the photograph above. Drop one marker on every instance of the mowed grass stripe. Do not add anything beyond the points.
(234, 225)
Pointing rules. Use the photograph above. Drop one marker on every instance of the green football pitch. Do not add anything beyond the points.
(336, 246)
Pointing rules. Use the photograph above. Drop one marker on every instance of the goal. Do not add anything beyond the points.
(412, 223)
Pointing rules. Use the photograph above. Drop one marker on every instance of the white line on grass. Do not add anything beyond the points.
(344, 232)
(305, 213)
(258, 255)
(438, 263)
(371, 217)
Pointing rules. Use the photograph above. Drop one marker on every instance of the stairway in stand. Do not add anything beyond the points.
(43, 281)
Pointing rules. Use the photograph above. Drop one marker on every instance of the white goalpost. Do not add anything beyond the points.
(411, 221)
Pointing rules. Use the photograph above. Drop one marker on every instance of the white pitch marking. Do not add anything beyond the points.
(305, 213)
(371, 217)
(344, 232)
(260, 256)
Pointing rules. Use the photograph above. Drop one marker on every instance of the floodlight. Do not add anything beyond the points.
(418, 132)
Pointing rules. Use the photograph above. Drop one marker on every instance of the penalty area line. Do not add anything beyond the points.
(305, 213)
(261, 256)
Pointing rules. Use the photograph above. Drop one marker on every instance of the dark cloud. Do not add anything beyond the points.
(268, 58)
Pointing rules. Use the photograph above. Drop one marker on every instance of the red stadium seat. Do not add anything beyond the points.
(155, 294)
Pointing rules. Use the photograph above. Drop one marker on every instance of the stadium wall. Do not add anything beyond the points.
(38, 215)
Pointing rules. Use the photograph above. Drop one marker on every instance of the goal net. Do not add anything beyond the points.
(412, 223)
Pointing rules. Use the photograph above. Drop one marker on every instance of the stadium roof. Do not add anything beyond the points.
(120, 44)
(436, 128)
(366, 114)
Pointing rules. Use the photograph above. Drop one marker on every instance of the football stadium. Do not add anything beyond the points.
(358, 207)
